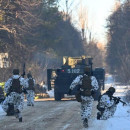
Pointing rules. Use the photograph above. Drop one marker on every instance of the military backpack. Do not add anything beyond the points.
(86, 86)
(31, 84)
(16, 86)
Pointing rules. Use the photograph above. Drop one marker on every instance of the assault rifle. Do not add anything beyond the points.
(23, 71)
(119, 100)
(24, 90)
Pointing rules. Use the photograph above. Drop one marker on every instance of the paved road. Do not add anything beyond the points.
(48, 115)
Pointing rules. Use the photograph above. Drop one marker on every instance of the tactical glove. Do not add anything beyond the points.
(117, 101)
(69, 91)
(92, 92)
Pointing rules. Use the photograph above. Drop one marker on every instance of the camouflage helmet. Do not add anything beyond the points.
(111, 91)
(29, 75)
(15, 71)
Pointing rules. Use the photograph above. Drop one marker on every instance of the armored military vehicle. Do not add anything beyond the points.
(61, 78)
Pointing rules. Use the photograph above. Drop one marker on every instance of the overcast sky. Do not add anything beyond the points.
(98, 12)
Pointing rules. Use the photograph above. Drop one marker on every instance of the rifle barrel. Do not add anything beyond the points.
(118, 98)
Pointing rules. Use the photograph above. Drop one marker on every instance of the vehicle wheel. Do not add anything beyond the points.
(57, 96)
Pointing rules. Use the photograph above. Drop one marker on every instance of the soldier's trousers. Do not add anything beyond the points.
(109, 112)
(16, 99)
(86, 107)
(30, 97)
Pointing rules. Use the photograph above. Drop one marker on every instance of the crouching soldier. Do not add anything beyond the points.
(107, 105)
(87, 85)
(15, 97)
(30, 90)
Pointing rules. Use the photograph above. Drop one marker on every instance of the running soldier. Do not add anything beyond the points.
(14, 100)
(30, 90)
(107, 105)
(87, 86)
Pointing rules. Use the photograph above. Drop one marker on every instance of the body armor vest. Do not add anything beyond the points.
(86, 86)
(31, 84)
(16, 87)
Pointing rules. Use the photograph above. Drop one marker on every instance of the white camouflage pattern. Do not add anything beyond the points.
(30, 95)
(87, 101)
(14, 97)
(109, 105)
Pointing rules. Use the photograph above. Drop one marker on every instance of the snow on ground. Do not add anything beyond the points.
(2, 113)
(51, 93)
(120, 121)
(109, 79)
(121, 118)
(120, 89)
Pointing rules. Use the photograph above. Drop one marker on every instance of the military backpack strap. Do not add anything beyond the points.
(86, 86)
(10, 89)
(16, 86)
(31, 84)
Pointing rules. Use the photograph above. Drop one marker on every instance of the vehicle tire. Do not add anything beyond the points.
(57, 96)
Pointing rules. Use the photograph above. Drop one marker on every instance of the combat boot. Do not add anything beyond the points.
(85, 123)
(98, 116)
(18, 115)
(10, 111)
(20, 119)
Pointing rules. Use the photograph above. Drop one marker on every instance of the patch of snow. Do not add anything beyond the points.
(120, 121)
(51, 93)
(121, 118)
(66, 126)
(109, 79)
(2, 113)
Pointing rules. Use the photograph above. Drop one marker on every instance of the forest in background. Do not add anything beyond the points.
(37, 33)
(118, 47)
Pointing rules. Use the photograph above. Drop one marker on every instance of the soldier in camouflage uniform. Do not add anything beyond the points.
(30, 90)
(86, 97)
(107, 105)
(15, 97)
(1, 95)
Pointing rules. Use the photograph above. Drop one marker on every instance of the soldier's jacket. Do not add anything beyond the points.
(78, 81)
(28, 83)
(87, 101)
(9, 83)
(105, 101)
(13, 97)
(108, 105)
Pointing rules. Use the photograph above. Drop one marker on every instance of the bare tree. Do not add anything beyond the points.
(18, 16)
